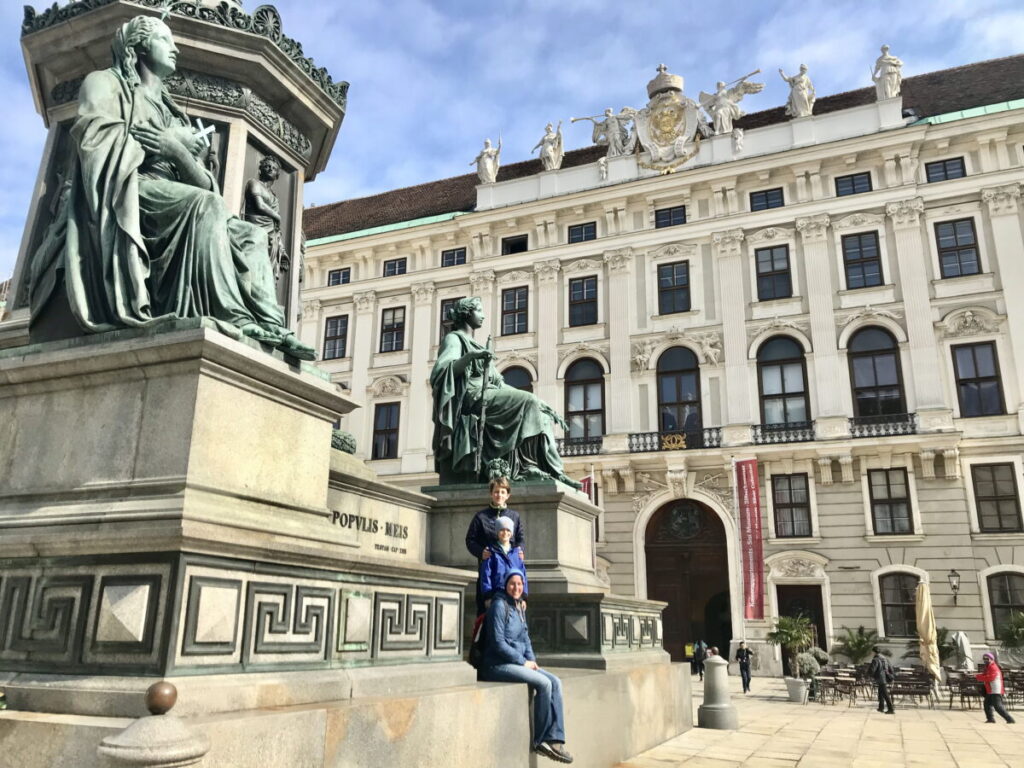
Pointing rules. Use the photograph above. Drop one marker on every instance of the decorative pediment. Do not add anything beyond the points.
(859, 221)
(365, 301)
(867, 312)
(796, 568)
(800, 324)
(972, 321)
(769, 234)
(515, 276)
(387, 386)
(581, 265)
(582, 349)
(512, 358)
(675, 251)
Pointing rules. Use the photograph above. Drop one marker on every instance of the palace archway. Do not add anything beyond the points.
(688, 568)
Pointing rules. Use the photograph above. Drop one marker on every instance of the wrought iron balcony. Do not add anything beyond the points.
(792, 432)
(884, 426)
(643, 442)
(579, 446)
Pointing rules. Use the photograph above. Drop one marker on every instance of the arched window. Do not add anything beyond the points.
(782, 377)
(1005, 597)
(518, 377)
(897, 591)
(875, 374)
(584, 399)
(679, 394)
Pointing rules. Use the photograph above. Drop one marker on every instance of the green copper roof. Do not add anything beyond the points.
(387, 228)
(963, 114)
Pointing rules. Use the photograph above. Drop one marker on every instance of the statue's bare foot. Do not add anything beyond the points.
(570, 482)
(534, 473)
(261, 334)
(291, 346)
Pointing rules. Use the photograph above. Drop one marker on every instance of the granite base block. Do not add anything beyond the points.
(609, 717)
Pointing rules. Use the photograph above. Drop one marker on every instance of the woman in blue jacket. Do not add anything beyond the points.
(508, 658)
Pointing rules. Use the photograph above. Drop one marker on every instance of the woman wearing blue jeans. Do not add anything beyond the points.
(508, 658)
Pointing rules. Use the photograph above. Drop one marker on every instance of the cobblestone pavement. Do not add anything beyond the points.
(775, 733)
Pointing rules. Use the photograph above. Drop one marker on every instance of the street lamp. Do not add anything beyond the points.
(954, 583)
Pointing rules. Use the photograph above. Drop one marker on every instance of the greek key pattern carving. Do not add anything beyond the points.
(402, 623)
(286, 619)
(265, 21)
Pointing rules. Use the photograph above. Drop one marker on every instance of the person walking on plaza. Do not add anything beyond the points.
(992, 676)
(882, 673)
(700, 652)
(743, 655)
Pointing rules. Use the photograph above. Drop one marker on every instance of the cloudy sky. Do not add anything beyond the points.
(431, 80)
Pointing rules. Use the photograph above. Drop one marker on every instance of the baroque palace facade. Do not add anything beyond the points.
(830, 295)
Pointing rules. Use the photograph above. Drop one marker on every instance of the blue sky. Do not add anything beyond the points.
(431, 80)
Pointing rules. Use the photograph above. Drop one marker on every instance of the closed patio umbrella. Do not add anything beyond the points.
(926, 633)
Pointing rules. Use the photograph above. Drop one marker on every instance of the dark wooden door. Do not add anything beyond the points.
(687, 567)
(803, 600)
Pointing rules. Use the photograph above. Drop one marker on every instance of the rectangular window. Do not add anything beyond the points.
(581, 232)
(862, 260)
(854, 184)
(514, 306)
(453, 257)
(943, 170)
(670, 217)
(446, 306)
(995, 496)
(335, 337)
(792, 503)
(394, 267)
(583, 301)
(978, 387)
(385, 431)
(958, 248)
(339, 276)
(673, 287)
(890, 501)
(766, 198)
(773, 278)
(392, 329)
(514, 244)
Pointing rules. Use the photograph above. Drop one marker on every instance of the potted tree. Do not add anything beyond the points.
(856, 646)
(1012, 636)
(793, 634)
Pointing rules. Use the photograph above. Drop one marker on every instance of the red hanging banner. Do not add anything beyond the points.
(748, 497)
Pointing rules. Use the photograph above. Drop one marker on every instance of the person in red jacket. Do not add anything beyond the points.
(992, 676)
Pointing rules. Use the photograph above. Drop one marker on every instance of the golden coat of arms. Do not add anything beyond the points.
(669, 127)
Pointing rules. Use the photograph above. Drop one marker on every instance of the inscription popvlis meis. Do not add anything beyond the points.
(364, 524)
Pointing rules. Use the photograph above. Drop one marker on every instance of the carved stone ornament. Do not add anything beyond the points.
(670, 127)
(858, 220)
(640, 355)
(365, 301)
(868, 312)
(640, 501)
(1000, 200)
(728, 242)
(813, 227)
(310, 309)
(517, 357)
(675, 251)
(515, 276)
(676, 479)
(583, 348)
(771, 233)
(582, 265)
(905, 213)
(423, 293)
(717, 486)
(969, 322)
(547, 271)
(618, 260)
(796, 567)
(481, 280)
(800, 324)
(264, 21)
(387, 385)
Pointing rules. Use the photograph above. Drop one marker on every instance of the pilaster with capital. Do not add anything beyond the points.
(620, 290)
(548, 328)
(363, 333)
(728, 249)
(814, 233)
(1003, 204)
(417, 435)
(481, 284)
(911, 259)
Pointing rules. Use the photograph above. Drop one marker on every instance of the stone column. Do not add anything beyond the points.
(728, 248)
(934, 413)
(717, 711)
(831, 421)
(424, 334)
(1008, 259)
(548, 330)
(620, 268)
(364, 335)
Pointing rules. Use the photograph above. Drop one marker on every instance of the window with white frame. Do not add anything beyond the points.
(996, 498)
(897, 592)
(791, 505)
(1005, 598)
(890, 501)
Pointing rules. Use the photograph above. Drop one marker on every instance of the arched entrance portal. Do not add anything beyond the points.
(688, 568)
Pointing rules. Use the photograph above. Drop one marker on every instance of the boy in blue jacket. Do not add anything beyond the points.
(504, 558)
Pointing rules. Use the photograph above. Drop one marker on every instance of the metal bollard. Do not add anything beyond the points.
(158, 741)
(717, 711)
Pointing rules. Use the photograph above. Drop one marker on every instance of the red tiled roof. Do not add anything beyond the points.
(934, 93)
